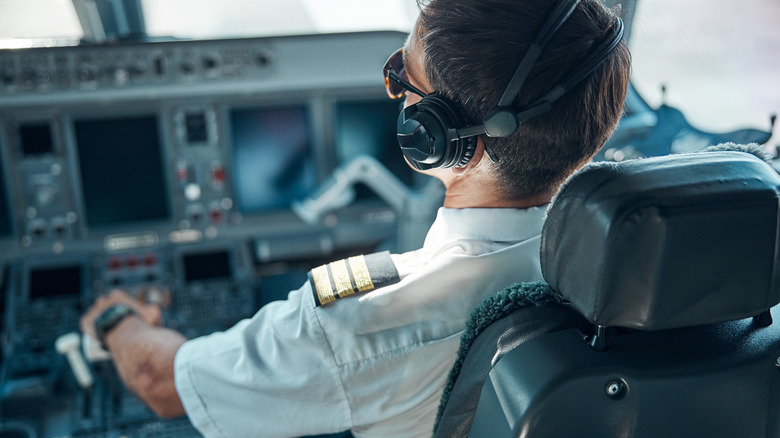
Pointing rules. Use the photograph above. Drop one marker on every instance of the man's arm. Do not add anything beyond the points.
(143, 352)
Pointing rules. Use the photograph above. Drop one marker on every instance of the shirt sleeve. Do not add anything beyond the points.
(272, 375)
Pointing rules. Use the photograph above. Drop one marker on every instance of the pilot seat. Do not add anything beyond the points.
(655, 317)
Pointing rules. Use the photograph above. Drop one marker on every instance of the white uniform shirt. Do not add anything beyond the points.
(376, 363)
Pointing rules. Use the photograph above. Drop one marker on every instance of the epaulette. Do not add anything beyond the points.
(347, 277)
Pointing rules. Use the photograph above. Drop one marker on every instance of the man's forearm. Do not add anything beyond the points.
(143, 355)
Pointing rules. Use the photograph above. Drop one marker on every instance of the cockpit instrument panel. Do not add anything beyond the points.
(168, 169)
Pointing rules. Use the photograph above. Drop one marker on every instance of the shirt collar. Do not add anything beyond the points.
(492, 224)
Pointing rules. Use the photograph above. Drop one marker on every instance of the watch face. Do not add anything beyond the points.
(109, 319)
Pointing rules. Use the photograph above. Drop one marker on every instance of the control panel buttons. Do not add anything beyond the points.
(216, 215)
(192, 192)
(218, 175)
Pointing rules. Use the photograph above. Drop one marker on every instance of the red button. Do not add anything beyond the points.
(218, 174)
(114, 263)
(181, 174)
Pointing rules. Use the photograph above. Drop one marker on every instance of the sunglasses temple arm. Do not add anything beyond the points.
(394, 77)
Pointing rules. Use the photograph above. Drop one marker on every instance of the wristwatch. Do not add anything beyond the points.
(109, 319)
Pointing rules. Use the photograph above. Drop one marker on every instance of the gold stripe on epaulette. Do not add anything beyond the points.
(341, 278)
(322, 284)
(360, 273)
(347, 277)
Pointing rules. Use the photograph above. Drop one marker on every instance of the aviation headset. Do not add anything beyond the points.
(433, 134)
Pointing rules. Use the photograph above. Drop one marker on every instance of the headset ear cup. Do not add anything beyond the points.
(420, 137)
(427, 134)
(459, 150)
(469, 147)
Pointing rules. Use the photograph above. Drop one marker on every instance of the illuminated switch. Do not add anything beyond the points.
(132, 261)
(192, 192)
(218, 175)
(114, 263)
(216, 215)
(150, 259)
(182, 172)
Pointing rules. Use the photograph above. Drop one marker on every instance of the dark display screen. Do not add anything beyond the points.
(36, 139)
(196, 127)
(207, 266)
(5, 211)
(54, 282)
(272, 157)
(369, 128)
(122, 174)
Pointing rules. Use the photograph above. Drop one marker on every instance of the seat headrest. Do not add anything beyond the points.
(666, 242)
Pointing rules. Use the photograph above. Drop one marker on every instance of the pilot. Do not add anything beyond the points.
(366, 344)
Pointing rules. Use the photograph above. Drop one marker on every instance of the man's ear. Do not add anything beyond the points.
(479, 152)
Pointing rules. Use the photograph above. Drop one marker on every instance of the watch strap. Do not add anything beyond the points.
(109, 319)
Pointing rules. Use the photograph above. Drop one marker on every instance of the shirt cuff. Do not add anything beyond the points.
(190, 398)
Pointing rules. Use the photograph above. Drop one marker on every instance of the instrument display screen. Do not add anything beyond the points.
(122, 175)
(272, 157)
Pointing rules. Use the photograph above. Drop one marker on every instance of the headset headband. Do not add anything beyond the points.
(504, 120)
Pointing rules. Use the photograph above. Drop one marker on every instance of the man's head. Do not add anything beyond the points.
(467, 51)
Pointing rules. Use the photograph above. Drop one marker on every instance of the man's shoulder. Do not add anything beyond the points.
(346, 277)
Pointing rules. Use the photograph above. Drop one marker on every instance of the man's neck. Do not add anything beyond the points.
(461, 194)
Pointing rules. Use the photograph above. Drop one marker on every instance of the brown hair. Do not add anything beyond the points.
(472, 48)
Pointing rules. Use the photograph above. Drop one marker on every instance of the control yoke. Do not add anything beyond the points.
(338, 191)
(414, 207)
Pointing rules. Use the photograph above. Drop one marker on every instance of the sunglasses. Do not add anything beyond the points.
(396, 80)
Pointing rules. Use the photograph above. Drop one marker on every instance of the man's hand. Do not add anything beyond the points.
(143, 352)
(150, 313)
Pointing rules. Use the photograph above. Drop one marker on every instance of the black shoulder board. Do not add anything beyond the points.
(346, 277)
